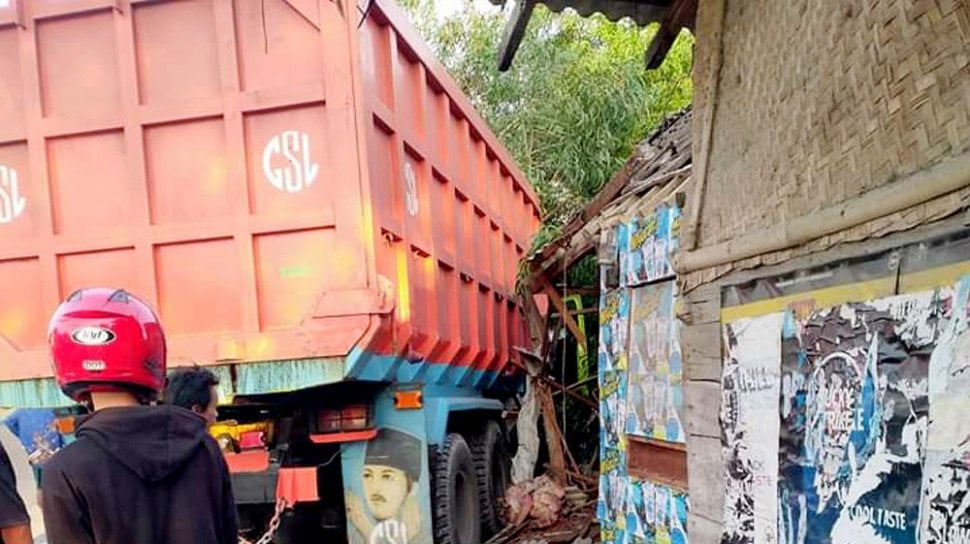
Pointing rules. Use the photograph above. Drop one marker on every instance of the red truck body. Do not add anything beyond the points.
(282, 179)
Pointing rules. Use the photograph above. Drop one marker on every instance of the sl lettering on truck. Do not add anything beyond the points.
(12, 203)
(286, 161)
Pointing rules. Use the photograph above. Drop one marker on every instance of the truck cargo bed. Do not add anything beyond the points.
(303, 195)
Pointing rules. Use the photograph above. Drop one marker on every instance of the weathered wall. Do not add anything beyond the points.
(799, 106)
(701, 348)
(818, 102)
(704, 352)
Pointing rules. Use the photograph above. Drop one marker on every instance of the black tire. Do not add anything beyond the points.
(454, 493)
(492, 466)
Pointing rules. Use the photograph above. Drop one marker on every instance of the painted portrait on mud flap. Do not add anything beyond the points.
(390, 510)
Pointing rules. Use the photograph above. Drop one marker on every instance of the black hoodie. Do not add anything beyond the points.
(139, 475)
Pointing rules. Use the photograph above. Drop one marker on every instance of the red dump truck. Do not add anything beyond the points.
(318, 215)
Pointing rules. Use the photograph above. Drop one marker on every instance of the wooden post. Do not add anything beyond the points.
(702, 149)
(556, 299)
(557, 457)
(534, 320)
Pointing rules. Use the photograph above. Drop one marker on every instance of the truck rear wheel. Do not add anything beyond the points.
(455, 493)
(491, 460)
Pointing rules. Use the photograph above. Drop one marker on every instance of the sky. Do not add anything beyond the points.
(450, 7)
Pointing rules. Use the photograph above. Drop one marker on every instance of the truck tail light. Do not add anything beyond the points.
(252, 440)
(348, 419)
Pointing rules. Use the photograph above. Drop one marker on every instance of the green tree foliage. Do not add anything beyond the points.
(576, 101)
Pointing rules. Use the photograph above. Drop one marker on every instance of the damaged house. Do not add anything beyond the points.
(819, 356)
(825, 261)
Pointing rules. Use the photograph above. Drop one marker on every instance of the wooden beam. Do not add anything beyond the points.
(552, 383)
(658, 461)
(681, 15)
(534, 320)
(556, 299)
(581, 290)
(584, 311)
(702, 149)
(514, 31)
(557, 456)
(948, 176)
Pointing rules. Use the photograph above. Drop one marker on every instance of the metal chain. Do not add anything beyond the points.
(274, 525)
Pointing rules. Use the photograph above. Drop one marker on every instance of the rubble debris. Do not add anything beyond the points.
(542, 511)
(539, 499)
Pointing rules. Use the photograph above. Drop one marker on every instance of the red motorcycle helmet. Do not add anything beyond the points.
(107, 340)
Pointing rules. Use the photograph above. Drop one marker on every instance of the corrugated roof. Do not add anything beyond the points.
(642, 13)
(658, 169)
(671, 14)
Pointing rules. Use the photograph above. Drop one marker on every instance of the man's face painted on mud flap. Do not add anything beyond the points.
(385, 489)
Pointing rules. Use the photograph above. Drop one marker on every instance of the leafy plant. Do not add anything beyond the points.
(576, 101)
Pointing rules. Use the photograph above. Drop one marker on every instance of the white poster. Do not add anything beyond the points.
(749, 415)
(945, 508)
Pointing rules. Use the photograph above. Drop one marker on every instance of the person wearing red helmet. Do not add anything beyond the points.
(136, 473)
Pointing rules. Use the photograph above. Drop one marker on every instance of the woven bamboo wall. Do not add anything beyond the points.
(819, 101)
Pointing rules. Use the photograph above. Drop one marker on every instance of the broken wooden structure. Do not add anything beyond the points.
(656, 175)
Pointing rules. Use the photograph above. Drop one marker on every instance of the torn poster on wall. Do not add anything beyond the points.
(655, 395)
(613, 408)
(656, 514)
(611, 502)
(749, 416)
(614, 326)
(646, 245)
(945, 506)
(854, 415)
(611, 507)
(874, 438)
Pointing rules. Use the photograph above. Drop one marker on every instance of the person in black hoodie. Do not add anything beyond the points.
(14, 521)
(137, 474)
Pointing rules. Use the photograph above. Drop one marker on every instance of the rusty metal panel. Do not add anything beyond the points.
(279, 182)
(194, 152)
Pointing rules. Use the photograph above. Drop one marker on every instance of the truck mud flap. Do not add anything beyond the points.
(256, 487)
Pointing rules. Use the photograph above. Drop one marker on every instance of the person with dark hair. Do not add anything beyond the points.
(194, 389)
(137, 473)
(14, 521)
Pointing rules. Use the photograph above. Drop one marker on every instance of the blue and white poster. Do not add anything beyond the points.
(611, 502)
(873, 441)
(614, 328)
(854, 414)
(646, 245)
(656, 514)
(655, 400)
